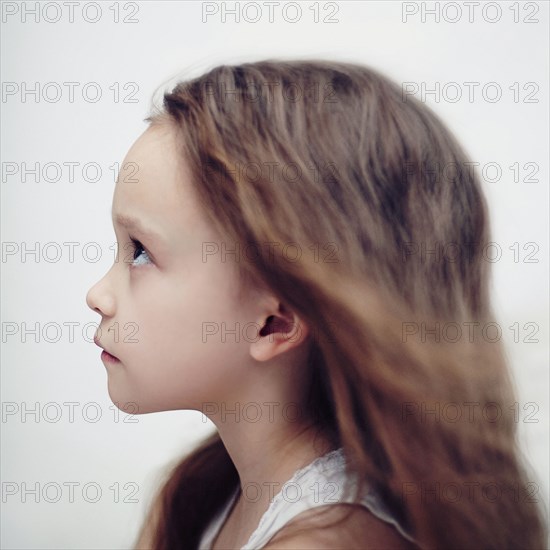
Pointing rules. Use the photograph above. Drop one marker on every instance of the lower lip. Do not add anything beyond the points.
(108, 358)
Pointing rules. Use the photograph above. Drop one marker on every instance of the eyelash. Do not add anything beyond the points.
(136, 246)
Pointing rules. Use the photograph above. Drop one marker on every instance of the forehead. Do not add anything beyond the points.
(151, 163)
(152, 180)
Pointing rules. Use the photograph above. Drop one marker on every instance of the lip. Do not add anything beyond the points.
(105, 355)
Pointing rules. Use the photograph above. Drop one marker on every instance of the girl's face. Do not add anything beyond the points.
(165, 310)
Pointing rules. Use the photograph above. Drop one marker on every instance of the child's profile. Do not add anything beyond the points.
(271, 254)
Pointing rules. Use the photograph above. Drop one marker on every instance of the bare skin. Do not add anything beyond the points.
(360, 525)
(170, 293)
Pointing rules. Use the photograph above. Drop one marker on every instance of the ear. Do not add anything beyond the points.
(282, 330)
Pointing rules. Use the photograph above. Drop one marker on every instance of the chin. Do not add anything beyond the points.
(125, 402)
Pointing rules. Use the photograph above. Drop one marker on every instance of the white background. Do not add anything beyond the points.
(174, 38)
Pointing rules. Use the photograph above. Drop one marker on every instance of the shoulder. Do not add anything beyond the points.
(359, 528)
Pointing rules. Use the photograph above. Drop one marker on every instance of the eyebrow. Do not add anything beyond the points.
(137, 226)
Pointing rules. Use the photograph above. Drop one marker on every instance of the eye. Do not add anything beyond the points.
(140, 255)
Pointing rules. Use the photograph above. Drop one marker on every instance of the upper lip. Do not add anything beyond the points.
(96, 341)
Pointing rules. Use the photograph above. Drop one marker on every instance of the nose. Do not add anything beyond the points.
(100, 298)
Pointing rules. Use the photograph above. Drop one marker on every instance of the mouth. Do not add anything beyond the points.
(105, 355)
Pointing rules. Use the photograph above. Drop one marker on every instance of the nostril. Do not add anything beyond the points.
(91, 302)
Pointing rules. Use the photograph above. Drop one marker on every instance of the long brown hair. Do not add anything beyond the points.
(384, 191)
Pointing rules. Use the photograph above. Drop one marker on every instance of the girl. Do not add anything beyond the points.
(300, 234)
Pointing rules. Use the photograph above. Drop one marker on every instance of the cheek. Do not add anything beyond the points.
(193, 343)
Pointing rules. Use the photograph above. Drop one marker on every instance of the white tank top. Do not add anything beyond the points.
(321, 482)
